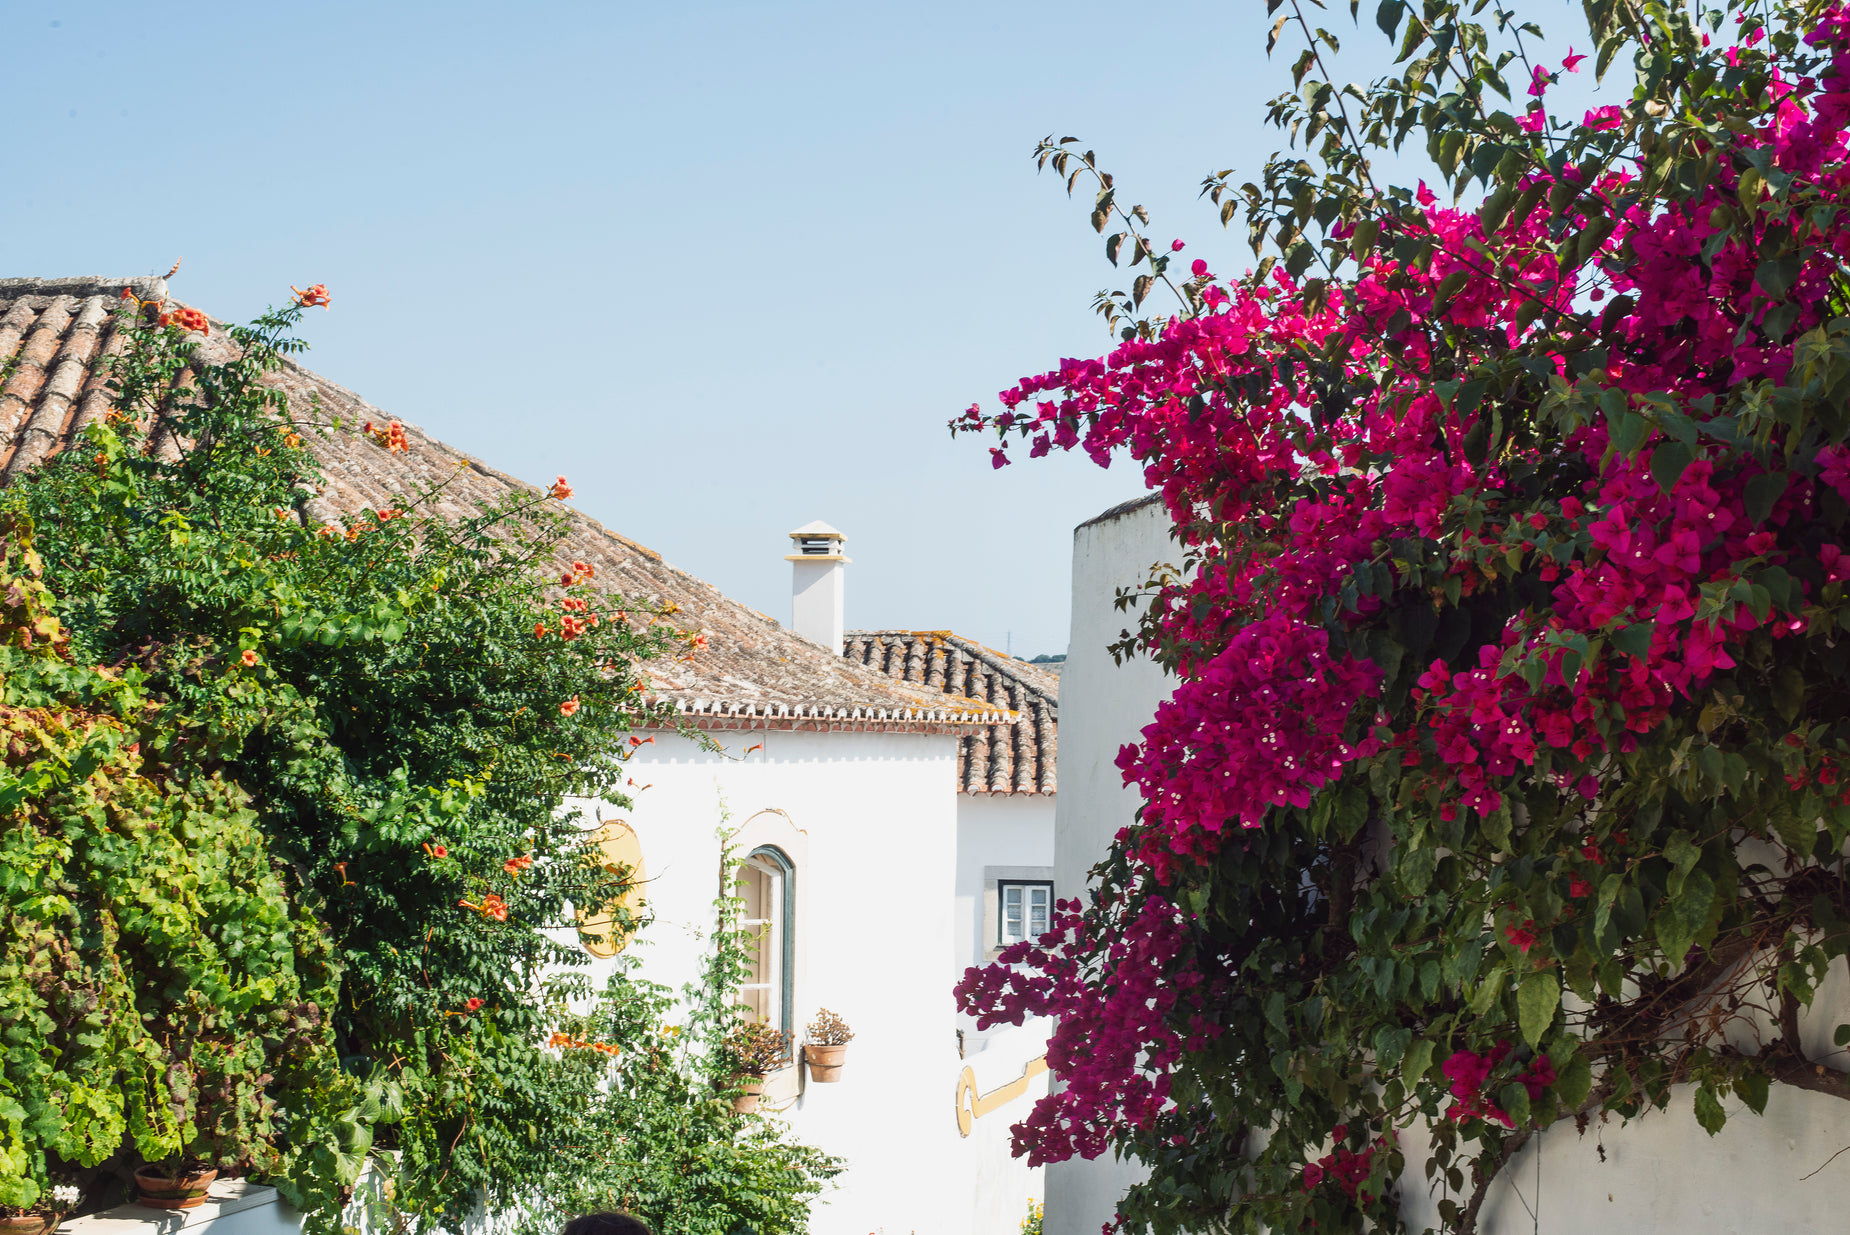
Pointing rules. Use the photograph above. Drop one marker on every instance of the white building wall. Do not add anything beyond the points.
(871, 820)
(1103, 705)
(996, 832)
(999, 836)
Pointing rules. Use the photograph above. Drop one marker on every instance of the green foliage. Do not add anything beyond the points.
(157, 985)
(356, 745)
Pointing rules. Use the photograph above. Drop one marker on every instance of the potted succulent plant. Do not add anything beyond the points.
(44, 1214)
(754, 1049)
(825, 1043)
(174, 1184)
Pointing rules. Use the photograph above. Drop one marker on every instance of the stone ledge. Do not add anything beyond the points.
(223, 1199)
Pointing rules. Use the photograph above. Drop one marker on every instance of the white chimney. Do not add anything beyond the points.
(816, 584)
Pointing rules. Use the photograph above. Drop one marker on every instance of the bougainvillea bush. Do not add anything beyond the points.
(382, 719)
(1504, 779)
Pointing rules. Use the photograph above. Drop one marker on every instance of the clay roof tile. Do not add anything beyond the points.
(1012, 756)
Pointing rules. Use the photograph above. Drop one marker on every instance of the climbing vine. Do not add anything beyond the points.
(157, 986)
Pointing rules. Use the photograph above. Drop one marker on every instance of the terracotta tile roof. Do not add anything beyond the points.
(1013, 757)
(753, 674)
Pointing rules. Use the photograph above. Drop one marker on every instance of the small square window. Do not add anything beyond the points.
(1025, 909)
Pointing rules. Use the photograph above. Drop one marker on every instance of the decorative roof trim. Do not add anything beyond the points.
(732, 714)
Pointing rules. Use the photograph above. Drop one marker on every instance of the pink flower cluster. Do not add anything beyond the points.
(1260, 725)
(1112, 1052)
(1346, 1168)
(1470, 1072)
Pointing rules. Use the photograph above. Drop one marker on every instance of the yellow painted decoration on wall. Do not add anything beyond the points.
(622, 852)
(972, 1107)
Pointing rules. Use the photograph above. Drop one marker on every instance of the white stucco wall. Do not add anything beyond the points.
(994, 830)
(999, 836)
(874, 821)
(1103, 705)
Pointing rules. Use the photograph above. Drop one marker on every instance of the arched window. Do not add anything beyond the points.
(621, 850)
(767, 885)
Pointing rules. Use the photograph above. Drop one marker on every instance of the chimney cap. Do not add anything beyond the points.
(816, 542)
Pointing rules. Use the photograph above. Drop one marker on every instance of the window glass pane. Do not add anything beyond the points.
(1011, 913)
(754, 888)
(1037, 918)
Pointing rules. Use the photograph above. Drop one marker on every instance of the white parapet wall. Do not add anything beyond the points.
(1103, 705)
(996, 1088)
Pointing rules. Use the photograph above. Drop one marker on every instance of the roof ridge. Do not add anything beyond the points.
(147, 287)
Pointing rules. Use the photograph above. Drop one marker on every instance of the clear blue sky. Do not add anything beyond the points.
(729, 267)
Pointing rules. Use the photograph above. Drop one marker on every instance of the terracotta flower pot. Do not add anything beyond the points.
(158, 1191)
(752, 1086)
(825, 1061)
(29, 1224)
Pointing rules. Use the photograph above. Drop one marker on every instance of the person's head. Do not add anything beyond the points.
(606, 1224)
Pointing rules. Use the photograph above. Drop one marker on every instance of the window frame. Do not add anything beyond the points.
(1027, 914)
(785, 929)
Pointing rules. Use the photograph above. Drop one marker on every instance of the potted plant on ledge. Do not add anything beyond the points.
(175, 1184)
(826, 1042)
(40, 1215)
(755, 1050)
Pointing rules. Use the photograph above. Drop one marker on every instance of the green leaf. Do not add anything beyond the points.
(1574, 1081)
(1488, 990)
(1634, 640)
(1536, 1001)
(1749, 188)
(1668, 459)
(1514, 1099)
(1709, 1111)
(1416, 865)
(1388, 16)
(1760, 494)
(1776, 275)
(1681, 917)
(1789, 692)
(1390, 1044)
(1752, 1088)
(1682, 855)
(1275, 1011)
(1417, 1059)
(1630, 432)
